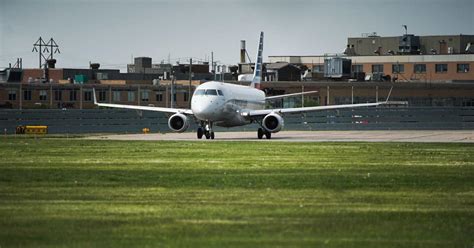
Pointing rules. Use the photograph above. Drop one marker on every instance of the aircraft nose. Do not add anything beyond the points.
(202, 109)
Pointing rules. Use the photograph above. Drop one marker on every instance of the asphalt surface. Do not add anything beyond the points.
(461, 136)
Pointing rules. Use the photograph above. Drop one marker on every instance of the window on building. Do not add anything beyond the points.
(318, 68)
(12, 95)
(377, 68)
(116, 96)
(357, 68)
(440, 68)
(185, 96)
(463, 67)
(398, 68)
(43, 95)
(72, 95)
(144, 96)
(102, 96)
(27, 95)
(159, 97)
(88, 96)
(419, 68)
(131, 96)
(58, 95)
(174, 97)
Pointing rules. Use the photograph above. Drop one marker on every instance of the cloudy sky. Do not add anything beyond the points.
(111, 32)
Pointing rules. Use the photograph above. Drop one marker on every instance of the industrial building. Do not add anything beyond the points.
(372, 44)
(406, 58)
(403, 68)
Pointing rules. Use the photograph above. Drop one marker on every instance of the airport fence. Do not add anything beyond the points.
(75, 121)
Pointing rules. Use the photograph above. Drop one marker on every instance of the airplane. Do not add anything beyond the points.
(229, 105)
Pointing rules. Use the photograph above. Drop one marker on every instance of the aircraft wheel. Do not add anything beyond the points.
(268, 135)
(212, 135)
(260, 133)
(208, 135)
(200, 132)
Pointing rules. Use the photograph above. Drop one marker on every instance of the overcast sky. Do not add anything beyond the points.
(111, 32)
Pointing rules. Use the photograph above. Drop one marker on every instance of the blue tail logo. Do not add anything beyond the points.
(257, 73)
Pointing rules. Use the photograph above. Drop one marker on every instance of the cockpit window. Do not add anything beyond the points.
(200, 92)
(220, 92)
(211, 92)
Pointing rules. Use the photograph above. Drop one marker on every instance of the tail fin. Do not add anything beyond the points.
(257, 73)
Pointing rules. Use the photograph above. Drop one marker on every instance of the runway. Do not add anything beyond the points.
(458, 136)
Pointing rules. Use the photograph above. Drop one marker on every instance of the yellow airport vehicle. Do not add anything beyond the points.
(32, 129)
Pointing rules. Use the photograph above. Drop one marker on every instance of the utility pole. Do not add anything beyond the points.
(212, 66)
(302, 95)
(172, 91)
(190, 80)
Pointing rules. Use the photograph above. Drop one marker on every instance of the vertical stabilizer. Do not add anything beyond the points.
(257, 73)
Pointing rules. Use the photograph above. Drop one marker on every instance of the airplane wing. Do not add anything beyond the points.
(287, 95)
(309, 109)
(148, 108)
(254, 113)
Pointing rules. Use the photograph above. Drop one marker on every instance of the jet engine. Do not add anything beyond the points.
(178, 122)
(273, 122)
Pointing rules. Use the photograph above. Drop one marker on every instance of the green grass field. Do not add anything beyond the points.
(81, 193)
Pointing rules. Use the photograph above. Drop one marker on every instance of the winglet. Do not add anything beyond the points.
(95, 98)
(389, 93)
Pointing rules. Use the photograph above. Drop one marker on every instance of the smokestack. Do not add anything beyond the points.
(94, 66)
(242, 51)
(51, 63)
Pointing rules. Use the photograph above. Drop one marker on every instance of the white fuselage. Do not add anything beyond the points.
(222, 103)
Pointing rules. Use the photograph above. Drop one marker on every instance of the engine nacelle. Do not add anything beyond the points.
(178, 122)
(273, 122)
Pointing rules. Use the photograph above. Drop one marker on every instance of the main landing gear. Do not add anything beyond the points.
(261, 132)
(205, 130)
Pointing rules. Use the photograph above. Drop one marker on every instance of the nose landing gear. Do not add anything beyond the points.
(205, 130)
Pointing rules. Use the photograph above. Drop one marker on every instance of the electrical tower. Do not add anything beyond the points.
(45, 49)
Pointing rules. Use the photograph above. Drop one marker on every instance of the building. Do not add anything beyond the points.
(406, 58)
(373, 44)
(281, 72)
(404, 68)
(80, 96)
(144, 65)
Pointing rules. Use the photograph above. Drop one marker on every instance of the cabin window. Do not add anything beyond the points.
(219, 92)
(200, 92)
(211, 92)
